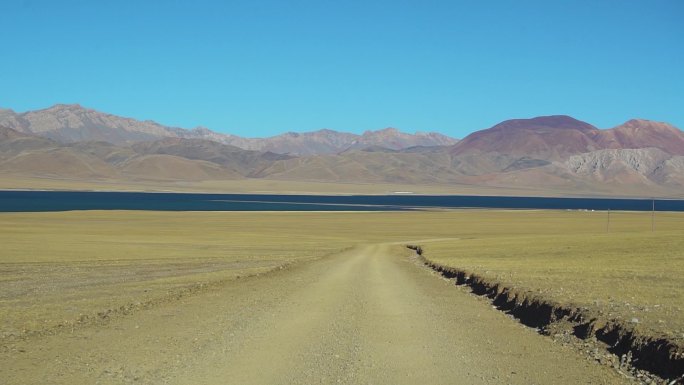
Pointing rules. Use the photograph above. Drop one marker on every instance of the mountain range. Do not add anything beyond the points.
(548, 153)
(68, 123)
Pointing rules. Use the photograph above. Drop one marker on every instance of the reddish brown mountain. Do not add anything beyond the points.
(556, 137)
(641, 133)
(545, 137)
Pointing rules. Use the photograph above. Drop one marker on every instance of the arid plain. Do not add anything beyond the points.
(342, 192)
(294, 297)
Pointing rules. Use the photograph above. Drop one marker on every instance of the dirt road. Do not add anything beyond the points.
(366, 316)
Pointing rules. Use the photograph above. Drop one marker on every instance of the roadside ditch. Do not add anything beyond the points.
(615, 343)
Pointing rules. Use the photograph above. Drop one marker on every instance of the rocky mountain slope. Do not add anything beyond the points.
(67, 123)
(239, 161)
(73, 123)
(166, 160)
(641, 133)
(558, 153)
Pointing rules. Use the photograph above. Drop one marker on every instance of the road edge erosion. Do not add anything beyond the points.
(631, 350)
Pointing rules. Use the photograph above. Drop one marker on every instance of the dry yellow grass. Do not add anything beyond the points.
(629, 274)
(57, 268)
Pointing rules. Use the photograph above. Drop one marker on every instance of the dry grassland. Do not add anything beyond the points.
(627, 272)
(71, 268)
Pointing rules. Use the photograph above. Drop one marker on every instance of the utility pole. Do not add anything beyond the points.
(608, 222)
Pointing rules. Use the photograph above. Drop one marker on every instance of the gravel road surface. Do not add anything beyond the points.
(369, 315)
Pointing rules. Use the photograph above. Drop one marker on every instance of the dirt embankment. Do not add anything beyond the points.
(628, 349)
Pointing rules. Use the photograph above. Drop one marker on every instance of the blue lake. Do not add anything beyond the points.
(37, 201)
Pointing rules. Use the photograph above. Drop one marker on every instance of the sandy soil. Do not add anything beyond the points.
(369, 315)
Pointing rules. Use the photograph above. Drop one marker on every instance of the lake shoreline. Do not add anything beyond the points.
(46, 201)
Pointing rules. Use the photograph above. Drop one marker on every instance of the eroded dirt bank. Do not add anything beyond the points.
(365, 316)
(647, 358)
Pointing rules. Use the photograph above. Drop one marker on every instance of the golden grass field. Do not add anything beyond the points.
(65, 268)
(626, 272)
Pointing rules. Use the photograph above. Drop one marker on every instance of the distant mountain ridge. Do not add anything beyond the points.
(68, 123)
(556, 153)
(170, 159)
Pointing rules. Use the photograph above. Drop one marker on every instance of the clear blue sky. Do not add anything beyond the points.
(259, 68)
